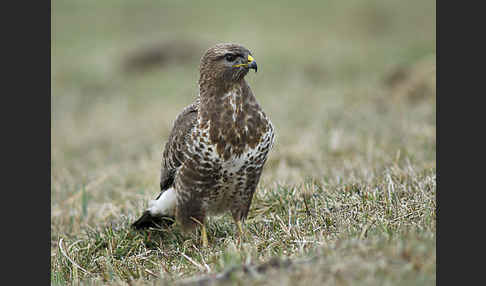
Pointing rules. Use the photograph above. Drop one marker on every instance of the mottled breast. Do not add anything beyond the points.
(232, 147)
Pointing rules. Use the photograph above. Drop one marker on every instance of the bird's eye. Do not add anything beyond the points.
(230, 57)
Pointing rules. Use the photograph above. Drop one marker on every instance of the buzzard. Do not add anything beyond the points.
(217, 148)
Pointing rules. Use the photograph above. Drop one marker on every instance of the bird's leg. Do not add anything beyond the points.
(240, 231)
(240, 228)
(204, 236)
(237, 217)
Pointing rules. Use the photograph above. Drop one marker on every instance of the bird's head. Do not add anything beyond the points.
(228, 62)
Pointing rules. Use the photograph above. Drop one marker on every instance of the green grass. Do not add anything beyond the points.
(348, 193)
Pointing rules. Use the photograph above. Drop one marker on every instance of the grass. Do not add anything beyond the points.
(348, 193)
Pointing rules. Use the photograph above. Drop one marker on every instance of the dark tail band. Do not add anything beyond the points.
(147, 220)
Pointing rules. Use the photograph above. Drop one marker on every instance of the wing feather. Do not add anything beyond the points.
(173, 154)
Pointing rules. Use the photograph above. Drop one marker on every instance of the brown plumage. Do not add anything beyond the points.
(217, 148)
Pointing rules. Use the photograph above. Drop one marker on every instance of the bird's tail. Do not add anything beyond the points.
(160, 211)
(148, 220)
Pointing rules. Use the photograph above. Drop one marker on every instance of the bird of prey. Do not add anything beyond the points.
(217, 147)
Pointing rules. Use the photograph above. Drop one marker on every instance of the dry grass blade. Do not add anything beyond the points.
(70, 260)
(306, 194)
(193, 262)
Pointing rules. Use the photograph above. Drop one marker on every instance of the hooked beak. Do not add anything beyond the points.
(251, 64)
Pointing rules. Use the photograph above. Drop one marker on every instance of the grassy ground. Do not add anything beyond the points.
(348, 193)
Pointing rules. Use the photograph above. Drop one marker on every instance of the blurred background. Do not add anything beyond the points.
(349, 86)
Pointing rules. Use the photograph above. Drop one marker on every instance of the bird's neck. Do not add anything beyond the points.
(217, 100)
